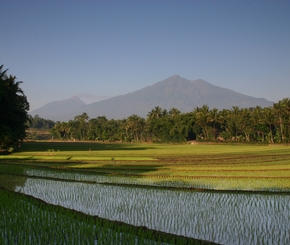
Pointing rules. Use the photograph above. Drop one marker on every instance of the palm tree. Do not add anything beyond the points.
(173, 112)
(286, 102)
(279, 110)
(269, 120)
(258, 126)
(154, 113)
(215, 120)
(151, 122)
(282, 111)
(233, 122)
(82, 121)
(13, 111)
(246, 123)
(202, 117)
(135, 126)
(224, 116)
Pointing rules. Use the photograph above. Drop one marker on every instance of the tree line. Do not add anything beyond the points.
(268, 125)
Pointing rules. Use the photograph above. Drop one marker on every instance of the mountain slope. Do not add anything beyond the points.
(174, 91)
(58, 110)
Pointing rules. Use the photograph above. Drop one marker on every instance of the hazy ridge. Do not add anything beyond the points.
(174, 91)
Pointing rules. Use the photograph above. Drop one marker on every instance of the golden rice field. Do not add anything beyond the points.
(217, 166)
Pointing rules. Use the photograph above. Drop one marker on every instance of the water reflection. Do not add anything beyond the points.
(222, 218)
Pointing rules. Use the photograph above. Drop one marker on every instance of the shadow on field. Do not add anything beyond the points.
(80, 146)
(12, 176)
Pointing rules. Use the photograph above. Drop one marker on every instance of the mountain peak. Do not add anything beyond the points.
(175, 76)
(174, 79)
(175, 91)
(76, 99)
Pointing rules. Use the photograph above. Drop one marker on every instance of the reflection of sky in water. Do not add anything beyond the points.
(222, 218)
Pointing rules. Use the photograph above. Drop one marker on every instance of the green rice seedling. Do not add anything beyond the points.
(193, 214)
(22, 223)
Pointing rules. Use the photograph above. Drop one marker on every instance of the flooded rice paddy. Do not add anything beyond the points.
(225, 218)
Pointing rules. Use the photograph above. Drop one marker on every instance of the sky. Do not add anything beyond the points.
(100, 49)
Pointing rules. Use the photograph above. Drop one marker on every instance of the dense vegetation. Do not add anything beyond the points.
(268, 125)
(13, 111)
(40, 123)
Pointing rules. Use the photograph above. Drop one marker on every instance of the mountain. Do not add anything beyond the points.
(58, 110)
(174, 91)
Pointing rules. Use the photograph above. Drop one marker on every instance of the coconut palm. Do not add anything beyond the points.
(269, 120)
(279, 110)
(257, 121)
(215, 121)
(202, 119)
(135, 126)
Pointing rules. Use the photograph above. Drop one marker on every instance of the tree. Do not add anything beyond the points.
(178, 126)
(259, 127)
(152, 120)
(13, 110)
(234, 122)
(82, 126)
(269, 120)
(215, 122)
(246, 123)
(202, 119)
(40, 123)
(286, 101)
(61, 130)
(281, 110)
(134, 127)
(98, 128)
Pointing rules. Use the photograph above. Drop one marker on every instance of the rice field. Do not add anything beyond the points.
(226, 194)
(216, 167)
(223, 218)
(27, 220)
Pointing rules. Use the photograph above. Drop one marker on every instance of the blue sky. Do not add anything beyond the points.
(99, 49)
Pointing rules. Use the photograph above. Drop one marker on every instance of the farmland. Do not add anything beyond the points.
(190, 191)
(217, 167)
(31, 221)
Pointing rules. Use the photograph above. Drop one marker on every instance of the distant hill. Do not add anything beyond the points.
(58, 110)
(174, 91)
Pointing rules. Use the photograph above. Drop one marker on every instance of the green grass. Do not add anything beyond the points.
(219, 166)
(140, 150)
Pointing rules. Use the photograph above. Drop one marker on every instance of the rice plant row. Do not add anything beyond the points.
(272, 183)
(27, 220)
(219, 217)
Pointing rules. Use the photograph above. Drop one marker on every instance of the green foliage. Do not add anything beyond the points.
(40, 123)
(13, 111)
(265, 125)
